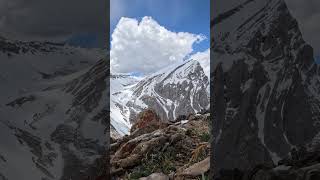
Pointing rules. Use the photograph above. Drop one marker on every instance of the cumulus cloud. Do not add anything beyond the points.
(146, 46)
(204, 60)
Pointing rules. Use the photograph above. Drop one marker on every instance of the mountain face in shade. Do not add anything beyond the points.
(53, 110)
(266, 84)
(179, 89)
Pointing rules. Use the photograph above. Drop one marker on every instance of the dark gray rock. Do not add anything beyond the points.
(266, 87)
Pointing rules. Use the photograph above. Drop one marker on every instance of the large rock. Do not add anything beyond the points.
(147, 120)
(197, 169)
(156, 176)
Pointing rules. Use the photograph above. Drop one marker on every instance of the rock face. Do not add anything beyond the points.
(147, 121)
(170, 148)
(176, 90)
(265, 84)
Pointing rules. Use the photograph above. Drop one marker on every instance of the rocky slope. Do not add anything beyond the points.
(53, 110)
(265, 84)
(176, 90)
(159, 150)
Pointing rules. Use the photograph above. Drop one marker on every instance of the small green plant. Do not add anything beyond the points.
(156, 161)
(204, 137)
(204, 177)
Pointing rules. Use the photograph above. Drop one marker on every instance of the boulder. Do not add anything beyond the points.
(197, 169)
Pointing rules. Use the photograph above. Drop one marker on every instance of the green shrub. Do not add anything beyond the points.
(160, 161)
(138, 173)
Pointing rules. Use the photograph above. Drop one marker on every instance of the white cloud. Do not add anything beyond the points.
(204, 60)
(147, 46)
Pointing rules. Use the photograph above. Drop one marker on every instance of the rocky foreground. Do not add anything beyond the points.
(163, 150)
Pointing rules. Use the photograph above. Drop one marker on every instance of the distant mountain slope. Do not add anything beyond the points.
(266, 85)
(52, 111)
(26, 64)
(120, 93)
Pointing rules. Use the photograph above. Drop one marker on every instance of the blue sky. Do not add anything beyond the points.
(191, 16)
(86, 40)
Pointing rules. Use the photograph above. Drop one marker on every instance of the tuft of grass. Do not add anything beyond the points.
(161, 161)
(199, 154)
(203, 177)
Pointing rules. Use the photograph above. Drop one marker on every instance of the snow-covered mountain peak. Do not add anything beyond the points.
(178, 89)
(176, 73)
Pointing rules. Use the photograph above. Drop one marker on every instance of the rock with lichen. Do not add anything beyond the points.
(176, 150)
